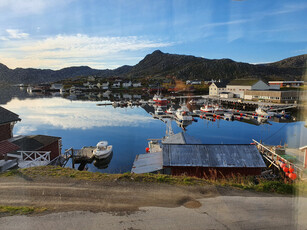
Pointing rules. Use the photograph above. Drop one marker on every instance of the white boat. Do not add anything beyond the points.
(228, 116)
(159, 111)
(103, 150)
(183, 114)
(171, 110)
(211, 108)
(261, 112)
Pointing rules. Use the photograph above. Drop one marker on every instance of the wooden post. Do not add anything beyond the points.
(72, 158)
(305, 158)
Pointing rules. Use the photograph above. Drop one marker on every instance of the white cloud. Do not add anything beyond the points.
(66, 50)
(16, 34)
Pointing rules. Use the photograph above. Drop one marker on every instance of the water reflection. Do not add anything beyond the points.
(64, 114)
(103, 163)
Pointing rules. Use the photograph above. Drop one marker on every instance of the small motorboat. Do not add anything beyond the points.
(171, 110)
(103, 150)
(159, 111)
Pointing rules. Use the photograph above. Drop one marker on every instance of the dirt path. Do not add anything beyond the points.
(80, 205)
(59, 195)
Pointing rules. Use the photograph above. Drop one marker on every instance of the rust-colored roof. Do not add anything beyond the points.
(7, 147)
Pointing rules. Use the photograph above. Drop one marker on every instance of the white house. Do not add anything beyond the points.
(127, 84)
(193, 82)
(116, 84)
(136, 84)
(104, 85)
(127, 96)
(56, 86)
(239, 86)
(216, 88)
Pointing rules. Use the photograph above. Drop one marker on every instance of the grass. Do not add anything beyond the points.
(234, 181)
(20, 210)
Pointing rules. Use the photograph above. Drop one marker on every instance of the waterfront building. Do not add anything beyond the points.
(239, 86)
(286, 83)
(275, 96)
(216, 88)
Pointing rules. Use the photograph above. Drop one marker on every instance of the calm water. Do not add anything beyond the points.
(83, 123)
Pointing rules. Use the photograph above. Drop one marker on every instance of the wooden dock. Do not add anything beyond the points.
(83, 155)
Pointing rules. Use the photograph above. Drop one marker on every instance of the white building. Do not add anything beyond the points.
(216, 88)
(56, 86)
(136, 84)
(239, 86)
(104, 85)
(226, 95)
(116, 84)
(127, 84)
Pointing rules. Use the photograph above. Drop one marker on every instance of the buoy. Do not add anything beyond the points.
(241, 114)
(237, 111)
(147, 150)
(291, 169)
(285, 168)
(292, 176)
(218, 116)
(282, 165)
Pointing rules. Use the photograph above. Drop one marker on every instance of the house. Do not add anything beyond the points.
(116, 84)
(56, 87)
(38, 143)
(136, 84)
(286, 83)
(193, 82)
(104, 85)
(276, 96)
(239, 86)
(216, 88)
(127, 84)
(7, 121)
(127, 96)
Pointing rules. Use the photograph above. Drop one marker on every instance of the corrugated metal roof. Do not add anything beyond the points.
(7, 116)
(212, 156)
(146, 163)
(181, 138)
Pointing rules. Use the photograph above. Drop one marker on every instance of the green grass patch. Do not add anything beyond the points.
(234, 181)
(20, 210)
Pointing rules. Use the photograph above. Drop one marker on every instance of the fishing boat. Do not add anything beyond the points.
(158, 98)
(183, 114)
(103, 150)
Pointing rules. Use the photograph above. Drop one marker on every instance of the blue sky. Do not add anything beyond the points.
(110, 33)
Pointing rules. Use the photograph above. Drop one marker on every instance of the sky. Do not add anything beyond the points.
(53, 34)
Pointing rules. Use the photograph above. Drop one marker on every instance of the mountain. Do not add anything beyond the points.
(164, 64)
(190, 67)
